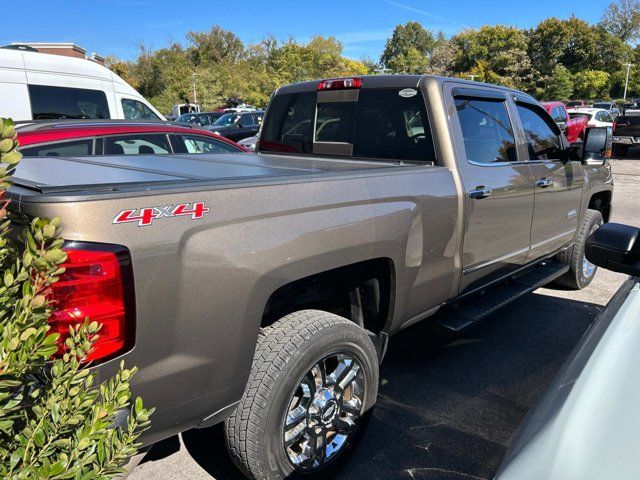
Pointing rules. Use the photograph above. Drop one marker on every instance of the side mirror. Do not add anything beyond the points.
(615, 247)
(597, 146)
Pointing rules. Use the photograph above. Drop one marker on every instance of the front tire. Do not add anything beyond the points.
(581, 271)
(308, 400)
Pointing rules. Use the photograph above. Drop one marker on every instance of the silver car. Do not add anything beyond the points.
(586, 426)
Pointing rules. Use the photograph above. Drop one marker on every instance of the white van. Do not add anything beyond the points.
(39, 86)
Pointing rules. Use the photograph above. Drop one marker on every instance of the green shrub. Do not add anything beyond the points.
(55, 422)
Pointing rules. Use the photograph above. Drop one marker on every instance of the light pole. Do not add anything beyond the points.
(626, 82)
(195, 97)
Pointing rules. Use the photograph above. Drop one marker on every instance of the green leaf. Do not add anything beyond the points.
(39, 437)
(12, 157)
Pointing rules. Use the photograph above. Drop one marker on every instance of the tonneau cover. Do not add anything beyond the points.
(66, 174)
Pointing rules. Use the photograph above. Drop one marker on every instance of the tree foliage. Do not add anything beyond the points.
(224, 68)
(409, 48)
(559, 86)
(622, 20)
(591, 83)
(55, 423)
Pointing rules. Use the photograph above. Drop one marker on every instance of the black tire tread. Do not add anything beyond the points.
(276, 346)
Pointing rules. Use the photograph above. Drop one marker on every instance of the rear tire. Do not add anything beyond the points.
(581, 271)
(302, 388)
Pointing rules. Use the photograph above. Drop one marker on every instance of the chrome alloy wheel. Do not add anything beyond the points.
(324, 411)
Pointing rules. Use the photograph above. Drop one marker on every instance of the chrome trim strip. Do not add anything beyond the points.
(552, 239)
(496, 260)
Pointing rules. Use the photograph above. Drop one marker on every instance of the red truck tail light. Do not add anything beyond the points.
(340, 84)
(97, 285)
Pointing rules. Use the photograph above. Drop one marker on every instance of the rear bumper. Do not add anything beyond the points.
(626, 140)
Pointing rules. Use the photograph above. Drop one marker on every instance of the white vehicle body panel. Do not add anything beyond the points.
(18, 69)
(591, 421)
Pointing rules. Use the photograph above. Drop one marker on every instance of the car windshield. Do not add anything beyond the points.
(226, 120)
(186, 118)
(605, 106)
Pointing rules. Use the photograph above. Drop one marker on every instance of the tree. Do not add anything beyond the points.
(591, 84)
(215, 46)
(443, 56)
(497, 54)
(403, 52)
(622, 20)
(559, 86)
(54, 422)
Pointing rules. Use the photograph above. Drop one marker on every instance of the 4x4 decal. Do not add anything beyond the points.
(146, 216)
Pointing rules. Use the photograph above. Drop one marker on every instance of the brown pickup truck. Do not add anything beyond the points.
(260, 290)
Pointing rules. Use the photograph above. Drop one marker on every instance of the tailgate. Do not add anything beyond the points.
(627, 126)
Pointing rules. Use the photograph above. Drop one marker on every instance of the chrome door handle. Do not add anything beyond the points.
(480, 192)
(544, 183)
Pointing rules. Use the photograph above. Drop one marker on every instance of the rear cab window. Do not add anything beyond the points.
(49, 102)
(380, 123)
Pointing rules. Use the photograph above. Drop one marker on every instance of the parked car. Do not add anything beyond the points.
(204, 119)
(578, 104)
(610, 107)
(41, 86)
(596, 117)
(250, 143)
(116, 137)
(237, 126)
(573, 128)
(626, 134)
(182, 108)
(243, 107)
(261, 290)
(586, 425)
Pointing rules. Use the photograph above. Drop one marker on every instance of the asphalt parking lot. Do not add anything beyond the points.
(447, 410)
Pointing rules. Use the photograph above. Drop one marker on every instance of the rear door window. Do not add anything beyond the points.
(77, 148)
(149, 144)
(486, 130)
(61, 102)
(200, 144)
(382, 124)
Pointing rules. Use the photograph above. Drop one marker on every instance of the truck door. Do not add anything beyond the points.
(498, 198)
(558, 182)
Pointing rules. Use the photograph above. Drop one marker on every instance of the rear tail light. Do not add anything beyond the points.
(97, 285)
(340, 84)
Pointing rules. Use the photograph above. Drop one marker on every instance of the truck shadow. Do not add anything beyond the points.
(447, 407)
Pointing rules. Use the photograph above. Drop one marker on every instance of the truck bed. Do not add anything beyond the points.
(87, 175)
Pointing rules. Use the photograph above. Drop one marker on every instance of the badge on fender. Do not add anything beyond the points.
(147, 215)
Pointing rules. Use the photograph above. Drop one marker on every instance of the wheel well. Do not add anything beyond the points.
(601, 201)
(360, 292)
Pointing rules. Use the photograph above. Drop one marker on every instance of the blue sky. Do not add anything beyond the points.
(117, 27)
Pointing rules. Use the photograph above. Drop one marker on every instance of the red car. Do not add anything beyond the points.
(112, 137)
(573, 128)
